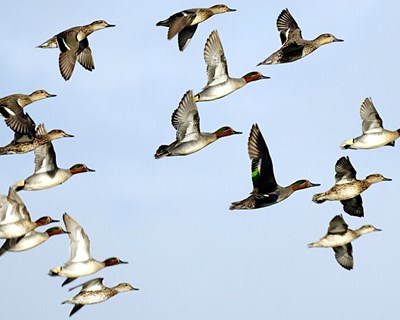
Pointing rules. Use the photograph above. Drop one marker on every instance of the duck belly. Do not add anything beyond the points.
(190, 147)
(30, 241)
(371, 141)
(79, 269)
(217, 91)
(92, 297)
(45, 180)
(331, 241)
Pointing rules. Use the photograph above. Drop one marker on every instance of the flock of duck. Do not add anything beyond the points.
(266, 191)
(16, 225)
(19, 231)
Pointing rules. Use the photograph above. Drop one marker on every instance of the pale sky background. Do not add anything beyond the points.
(190, 256)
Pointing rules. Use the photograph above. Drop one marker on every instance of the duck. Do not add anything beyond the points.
(12, 109)
(30, 240)
(339, 237)
(74, 45)
(184, 23)
(15, 220)
(219, 84)
(374, 135)
(93, 291)
(347, 188)
(47, 174)
(266, 191)
(189, 139)
(80, 261)
(294, 47)
(41, 137)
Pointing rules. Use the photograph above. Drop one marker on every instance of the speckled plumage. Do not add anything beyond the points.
(339, 237)
(74, 46)
(185, 22)
(347, 188)
(294, 47)
(42, 137)
(93, 291)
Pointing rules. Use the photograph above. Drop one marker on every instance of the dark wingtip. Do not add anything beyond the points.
(68, 280)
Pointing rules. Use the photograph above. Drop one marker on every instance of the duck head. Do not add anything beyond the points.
(45, 220)
(326, 38)
(122, 287)
(221, 8)
(303, 184)
(225, 131)
(101, 24)
(113, 261)
(367, 229)
(55, 230)
(41, 94)
(57, 134)
(376, 177)
(253, 76)
(79, 168)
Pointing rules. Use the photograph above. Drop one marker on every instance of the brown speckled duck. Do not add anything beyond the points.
(347, 188)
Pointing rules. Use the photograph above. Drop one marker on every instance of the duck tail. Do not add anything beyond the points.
(162, 151)
(51, 43)
(163, 23)
(317, 198)
(54, 272)
(19, 185)
(347, 144)
(390, 144)
(242, 204)
(312, 245)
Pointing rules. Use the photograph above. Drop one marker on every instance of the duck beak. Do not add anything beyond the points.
(386, 179)
(314, 184)
(135, 288)
(67, 135)
(53, 220)
(231, 10)
(111, 25)
(338, 40)
(237, 132)
(90, 170)
(51, 95)
(376, 229)
(265, 77)
(124, 262)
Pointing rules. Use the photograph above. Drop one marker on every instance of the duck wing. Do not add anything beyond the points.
(371, 121)
(45, 158)
(217, 67)
(90, 285)
(69, 45)
(85, 57)
(262, 171)
(79, 240)
(353, 206)
(75, 309)
(12, 209)
(344, 256)
(16, 119)
(337, 225)
(345, 172)
(287, 27)
(179, 21)
(185, 119)
(185, 36)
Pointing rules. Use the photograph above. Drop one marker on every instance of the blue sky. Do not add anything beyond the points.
(190, 256)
